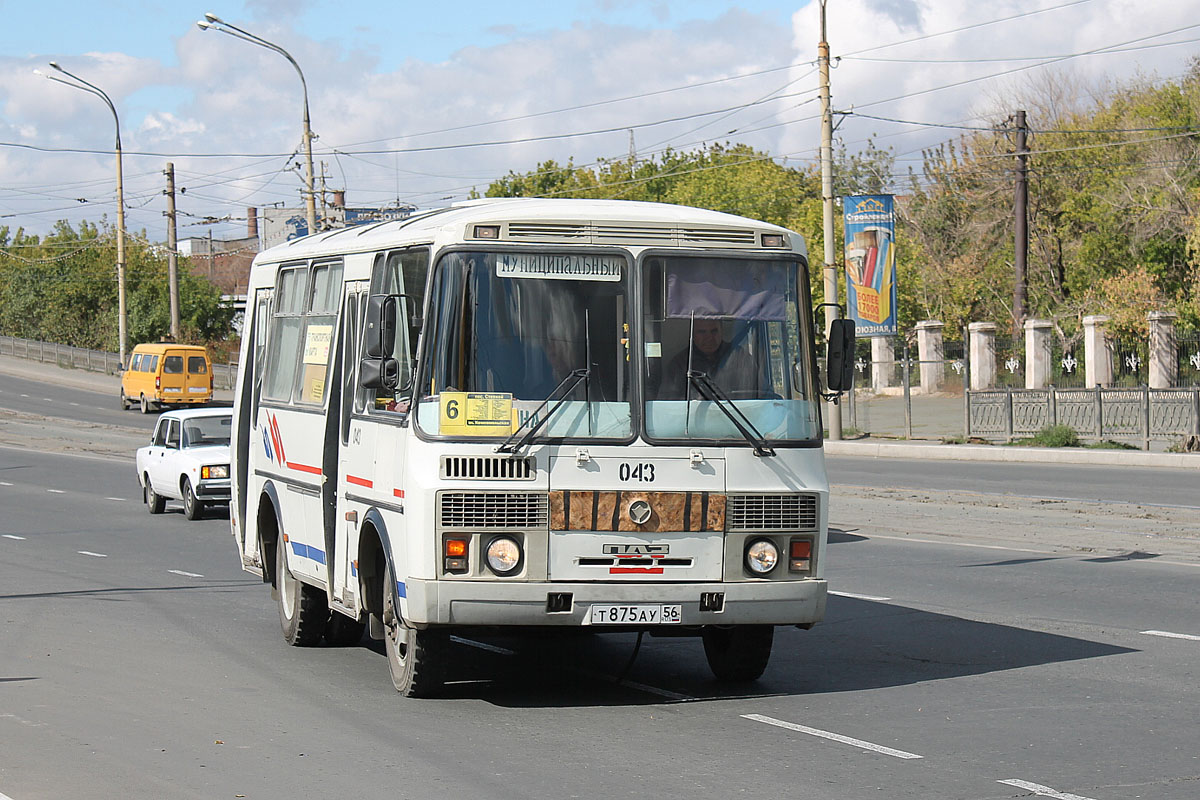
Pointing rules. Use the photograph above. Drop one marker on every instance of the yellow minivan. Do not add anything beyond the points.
(167, 374)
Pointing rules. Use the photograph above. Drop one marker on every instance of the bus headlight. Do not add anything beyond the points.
(503, 555)
(761, 556)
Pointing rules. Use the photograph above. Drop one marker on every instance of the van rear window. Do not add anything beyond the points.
(173, 365)
(197, 365)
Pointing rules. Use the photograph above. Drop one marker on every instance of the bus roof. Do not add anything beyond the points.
(538, 220)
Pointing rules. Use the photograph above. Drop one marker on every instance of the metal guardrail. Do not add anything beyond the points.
(1132, 414)
(224, 375)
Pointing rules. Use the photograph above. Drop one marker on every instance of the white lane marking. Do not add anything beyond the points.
(47, 399)
(836, 737)
(491, 648)
(854, 596)
(641, 687)
(5, 483)
(12, 536)
(24, 395)
(958, 544)
(118, 499)
(1044, 791)
(90, 553)
(1170, 635)
(56, 491)
(184, 574)
(74, 404)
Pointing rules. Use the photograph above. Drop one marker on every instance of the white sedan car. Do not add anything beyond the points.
(187, 459)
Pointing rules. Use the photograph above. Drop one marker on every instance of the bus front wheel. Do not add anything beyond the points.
(414, 656)
(303, 609)
(739, 653)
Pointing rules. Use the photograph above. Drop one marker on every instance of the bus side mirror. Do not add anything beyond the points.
(379, 373)
(839, 361)
(380, 334)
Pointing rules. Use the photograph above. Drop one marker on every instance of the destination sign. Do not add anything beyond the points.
(564, 266)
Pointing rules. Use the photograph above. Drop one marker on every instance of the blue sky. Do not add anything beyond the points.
(390, 73)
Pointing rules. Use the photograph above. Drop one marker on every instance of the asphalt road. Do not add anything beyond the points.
(38, 397)
(138, 661)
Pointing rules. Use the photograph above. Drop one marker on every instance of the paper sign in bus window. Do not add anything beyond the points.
(476, 413)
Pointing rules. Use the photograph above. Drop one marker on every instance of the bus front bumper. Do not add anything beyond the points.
(429, 602)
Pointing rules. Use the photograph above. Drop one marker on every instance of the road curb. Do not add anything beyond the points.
(1042, 455)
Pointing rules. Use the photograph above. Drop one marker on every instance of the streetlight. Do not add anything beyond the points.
(213, 22)
(122, 315)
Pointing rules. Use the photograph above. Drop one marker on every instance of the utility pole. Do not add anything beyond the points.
(1020, 226)
(833, 411)
(172, 254)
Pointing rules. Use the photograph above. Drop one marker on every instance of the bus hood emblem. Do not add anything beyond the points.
(639, 511)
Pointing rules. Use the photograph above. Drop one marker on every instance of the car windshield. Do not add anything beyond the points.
(202, 431)
(506, 329)
(736, 325)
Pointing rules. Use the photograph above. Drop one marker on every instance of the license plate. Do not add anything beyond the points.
(198, 389)
(641, 614)
(170, 389)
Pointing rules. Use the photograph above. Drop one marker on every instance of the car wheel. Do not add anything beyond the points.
(415, 657)
(303, 609)
(155, 503)
(145, 405)
(192, 508)
(124, 401)
(739, 653)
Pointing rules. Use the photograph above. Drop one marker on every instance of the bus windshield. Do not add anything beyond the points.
(736, 325)
(510, 328)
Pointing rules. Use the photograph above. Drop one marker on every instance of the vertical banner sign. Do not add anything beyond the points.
(871, 264)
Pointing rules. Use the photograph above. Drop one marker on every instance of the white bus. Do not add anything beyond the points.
(536, 414)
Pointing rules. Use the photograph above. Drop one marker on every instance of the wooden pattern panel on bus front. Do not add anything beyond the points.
(609, 511)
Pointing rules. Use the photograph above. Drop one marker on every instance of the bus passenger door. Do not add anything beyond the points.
(246, 443)
(356, 448)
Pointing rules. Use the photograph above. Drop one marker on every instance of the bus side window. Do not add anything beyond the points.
(319, 320)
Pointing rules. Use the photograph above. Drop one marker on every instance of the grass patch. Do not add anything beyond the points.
(1053, 436)
(1109, 444)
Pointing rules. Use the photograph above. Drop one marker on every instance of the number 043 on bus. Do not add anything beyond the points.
(536, 414)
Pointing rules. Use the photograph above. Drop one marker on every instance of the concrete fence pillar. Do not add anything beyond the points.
(983, 355)
(1097, 356)
(1037, 353)
(1164, 358)
(883, 362)
(931, 353)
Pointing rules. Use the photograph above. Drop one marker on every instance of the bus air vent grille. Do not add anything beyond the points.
(771, 512)
(716, 236)
(633, 234)
(488, 468)
(549, 231)
(510, 510)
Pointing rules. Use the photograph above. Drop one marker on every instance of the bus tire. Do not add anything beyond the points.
(341, 631)
(414, 656)
(192, 508)
(155, 503)
(303, 610)
(739, 653)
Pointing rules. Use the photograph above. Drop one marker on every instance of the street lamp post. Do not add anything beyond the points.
(122, 314)
(213, 22)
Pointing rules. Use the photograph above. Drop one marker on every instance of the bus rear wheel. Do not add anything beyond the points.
(739, 653)
(303, 609)
(414, 656)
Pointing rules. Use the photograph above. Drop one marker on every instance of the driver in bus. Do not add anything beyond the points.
(730, 367)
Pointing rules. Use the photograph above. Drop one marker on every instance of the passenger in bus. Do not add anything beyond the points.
(729, 366)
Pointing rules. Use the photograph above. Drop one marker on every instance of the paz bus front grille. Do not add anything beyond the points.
(510, 510)
(771, 512)
(488, 468)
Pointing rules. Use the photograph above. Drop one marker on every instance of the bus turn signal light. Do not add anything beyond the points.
(455, 561)
(801, 556)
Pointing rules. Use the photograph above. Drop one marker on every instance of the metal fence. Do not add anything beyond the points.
(1140, 415)
(67, 357)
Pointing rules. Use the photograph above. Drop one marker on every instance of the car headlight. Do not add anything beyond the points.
(503, 555)
(216, 471)
(761, 556)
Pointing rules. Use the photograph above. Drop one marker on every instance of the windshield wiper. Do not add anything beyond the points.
(710, 391)
(576, 376)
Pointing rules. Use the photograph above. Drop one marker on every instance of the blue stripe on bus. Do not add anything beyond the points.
(401, 589)
(304, 551)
